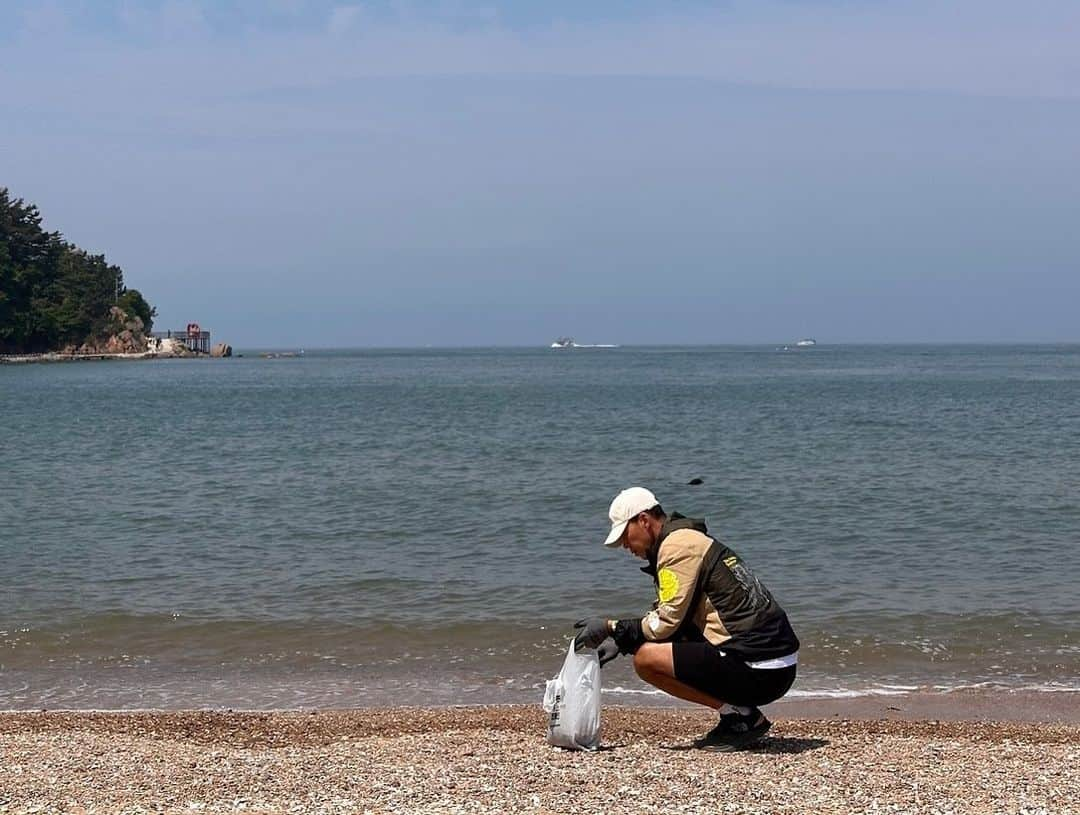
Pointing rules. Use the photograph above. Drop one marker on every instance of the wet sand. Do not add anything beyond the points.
(495, 759)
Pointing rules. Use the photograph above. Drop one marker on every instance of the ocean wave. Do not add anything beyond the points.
(634, 691)
(1030, 687)
(848, 693)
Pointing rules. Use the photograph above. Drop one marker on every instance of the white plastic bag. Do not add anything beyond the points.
(573, 701)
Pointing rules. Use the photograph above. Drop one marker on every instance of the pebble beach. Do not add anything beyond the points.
(495, 759)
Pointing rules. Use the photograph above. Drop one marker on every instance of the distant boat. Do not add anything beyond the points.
(568, 342)
(806, 343)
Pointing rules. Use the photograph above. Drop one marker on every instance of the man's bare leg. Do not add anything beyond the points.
(655, 665)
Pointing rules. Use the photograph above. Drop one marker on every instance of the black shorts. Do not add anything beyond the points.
(724, 676)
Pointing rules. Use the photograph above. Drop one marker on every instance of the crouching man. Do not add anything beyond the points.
(715, 636)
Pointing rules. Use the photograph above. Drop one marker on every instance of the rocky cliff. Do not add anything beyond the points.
(123, 334)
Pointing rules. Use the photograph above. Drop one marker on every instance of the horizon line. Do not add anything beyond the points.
(619, 346)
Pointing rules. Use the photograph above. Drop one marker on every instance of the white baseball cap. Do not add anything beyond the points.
(627, 505)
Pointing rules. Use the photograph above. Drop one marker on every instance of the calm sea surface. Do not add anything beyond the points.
(352, 528)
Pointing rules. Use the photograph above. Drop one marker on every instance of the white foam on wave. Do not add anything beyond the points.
(640, 691)
(1038, 687)
(877, 690)
(848, 693)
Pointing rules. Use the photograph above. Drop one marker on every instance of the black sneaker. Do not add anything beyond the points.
(734, 732)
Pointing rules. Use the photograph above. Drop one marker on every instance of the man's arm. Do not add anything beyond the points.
(677, 573)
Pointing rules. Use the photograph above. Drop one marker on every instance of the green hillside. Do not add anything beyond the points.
(53, 294)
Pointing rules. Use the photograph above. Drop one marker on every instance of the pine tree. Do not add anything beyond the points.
(51, 292)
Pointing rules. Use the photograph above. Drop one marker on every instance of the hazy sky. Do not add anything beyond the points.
(308, 173)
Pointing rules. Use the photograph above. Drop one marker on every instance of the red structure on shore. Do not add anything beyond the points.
(193, 337)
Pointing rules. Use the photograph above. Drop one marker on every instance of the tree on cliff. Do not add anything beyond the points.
(52, 293)
(133, 303)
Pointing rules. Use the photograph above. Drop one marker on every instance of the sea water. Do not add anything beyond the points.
(424, 526)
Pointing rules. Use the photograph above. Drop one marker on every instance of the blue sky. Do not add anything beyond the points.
(334, 174)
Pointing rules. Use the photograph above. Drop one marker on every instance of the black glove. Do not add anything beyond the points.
(607, 651)
(594, 631)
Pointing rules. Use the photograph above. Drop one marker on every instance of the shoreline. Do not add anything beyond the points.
(965, 705)
(495, 759)
(34, 359)
(53, 356)
(972, 704)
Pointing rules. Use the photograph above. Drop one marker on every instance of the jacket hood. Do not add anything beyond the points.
(676, 522)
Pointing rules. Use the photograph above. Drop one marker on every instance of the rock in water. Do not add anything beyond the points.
(696, 482)
(221, 349)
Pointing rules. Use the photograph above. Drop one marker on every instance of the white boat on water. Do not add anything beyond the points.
(568, 342)
(806, 343)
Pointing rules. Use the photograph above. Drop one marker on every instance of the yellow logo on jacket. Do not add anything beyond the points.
(669, 585)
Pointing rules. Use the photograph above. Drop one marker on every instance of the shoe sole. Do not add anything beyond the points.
(734, 745)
